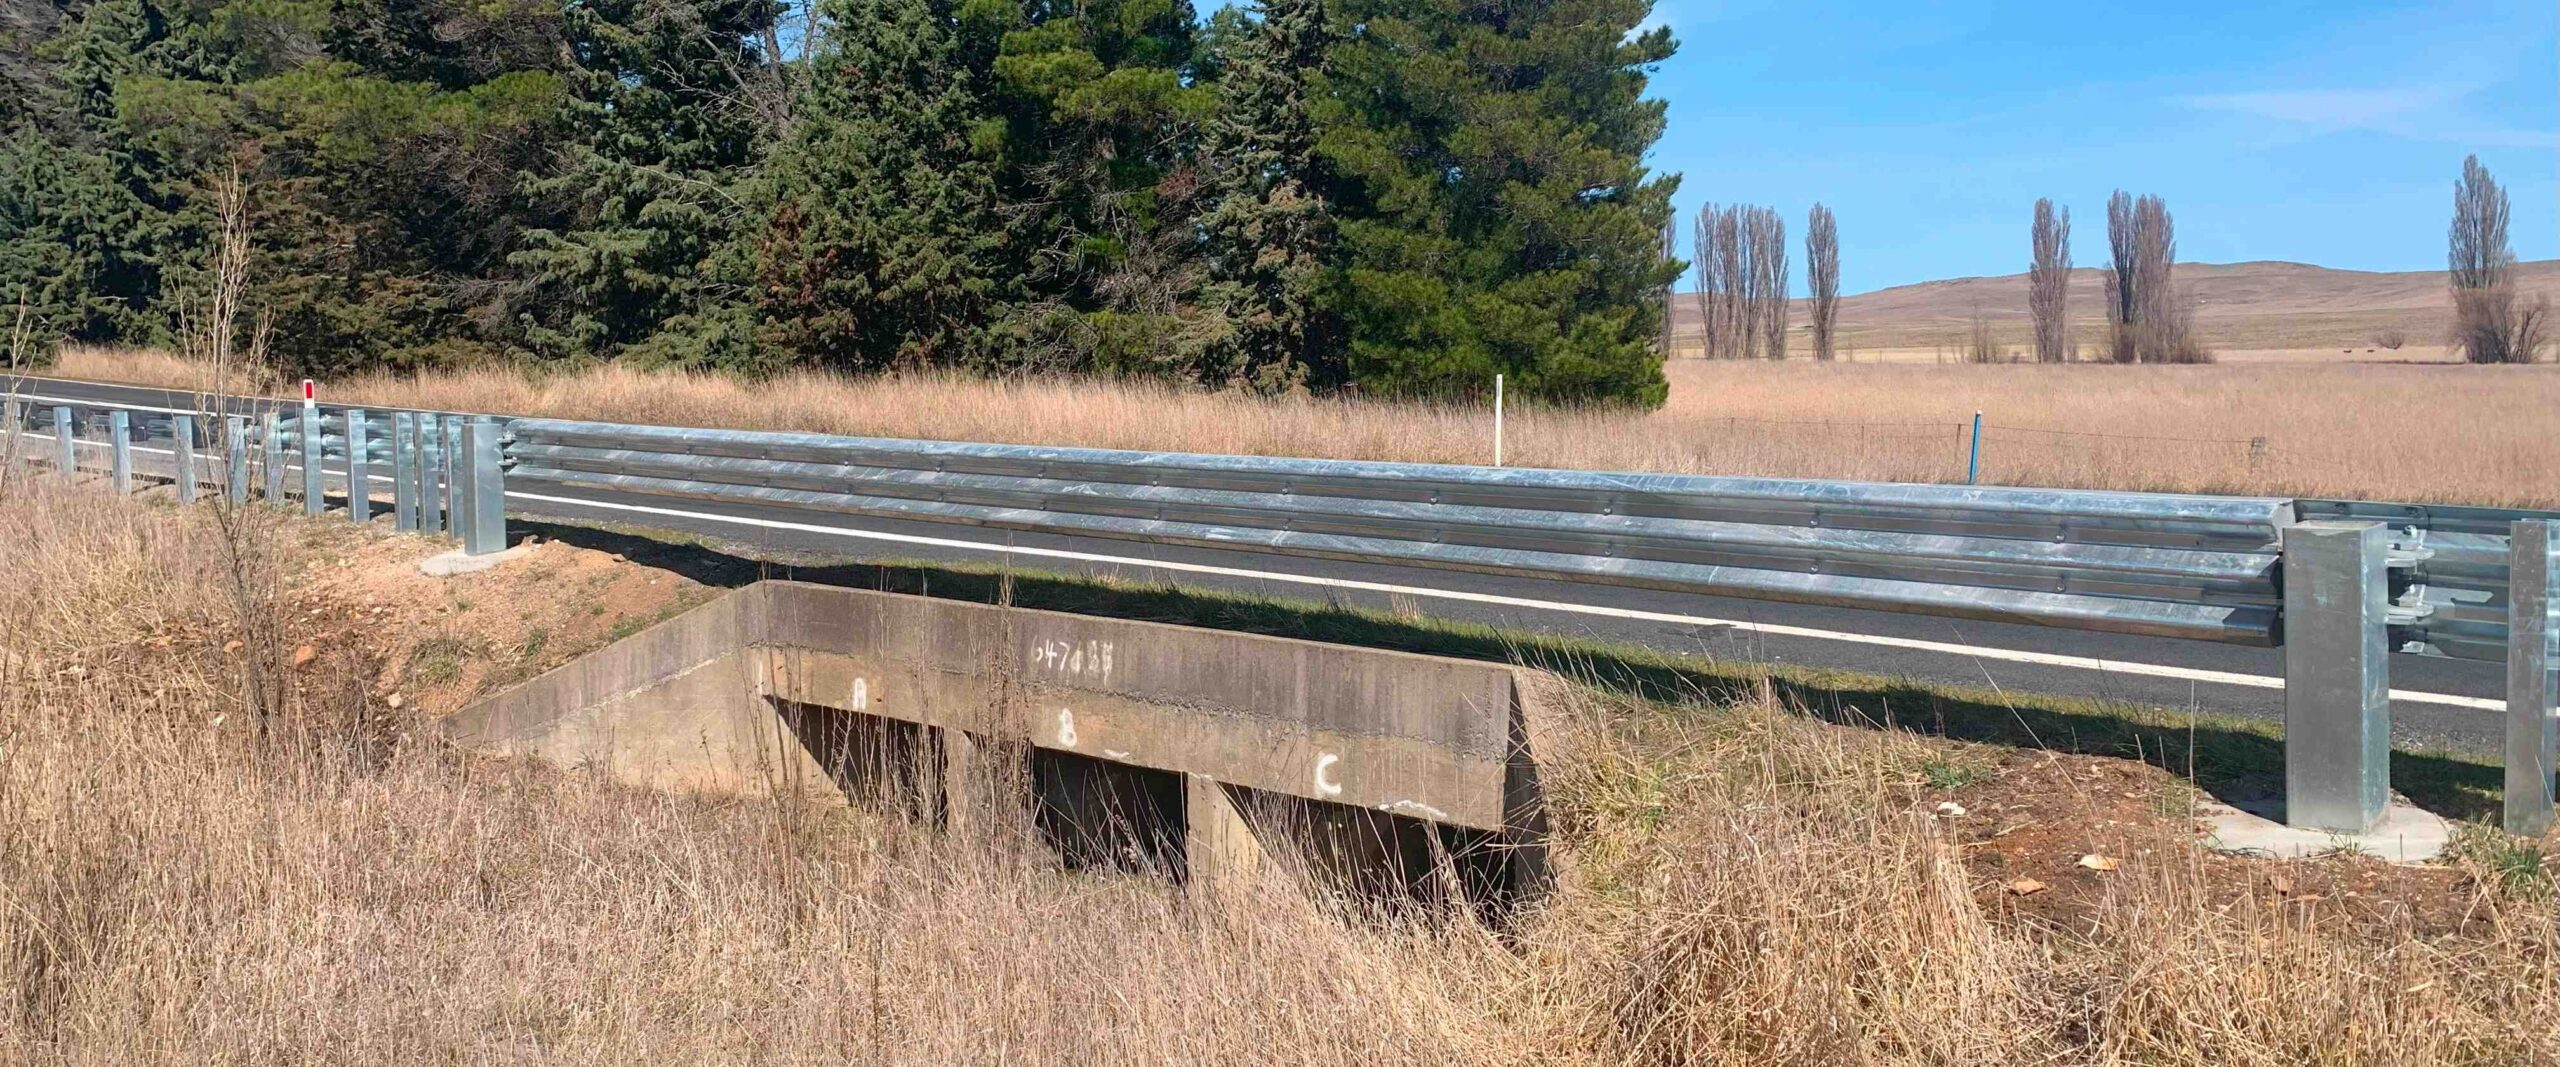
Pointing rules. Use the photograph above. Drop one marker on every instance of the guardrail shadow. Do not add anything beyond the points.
(2238, 761)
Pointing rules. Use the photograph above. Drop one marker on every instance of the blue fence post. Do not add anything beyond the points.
(359, 472)
(182, 441)
(1973, 458)
(235, 457)
(120, 450)
(66, 435)
(271, 450)
(404, 471)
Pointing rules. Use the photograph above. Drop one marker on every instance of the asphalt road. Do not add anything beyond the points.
(2436, 702)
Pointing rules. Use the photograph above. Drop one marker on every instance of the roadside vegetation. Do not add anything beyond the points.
(200, 866)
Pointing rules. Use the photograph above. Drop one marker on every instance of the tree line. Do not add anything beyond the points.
(2150, 320)
(1396, 197)
(1742, 280)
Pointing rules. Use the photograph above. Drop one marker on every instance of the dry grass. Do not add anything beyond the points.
(1738, 886)
(2442, 434)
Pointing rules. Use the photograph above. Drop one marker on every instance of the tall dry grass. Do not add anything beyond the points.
(2445, 434)
(1738, 886)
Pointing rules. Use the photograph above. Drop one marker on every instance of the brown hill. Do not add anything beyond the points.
(2257, 306)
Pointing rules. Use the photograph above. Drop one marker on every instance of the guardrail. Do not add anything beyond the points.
(2339, 585)
(442, 472)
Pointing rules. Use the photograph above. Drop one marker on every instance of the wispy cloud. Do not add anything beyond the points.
(2333, 108)
(2418, 112)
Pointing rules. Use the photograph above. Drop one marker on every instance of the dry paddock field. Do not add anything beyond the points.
(2439, 433)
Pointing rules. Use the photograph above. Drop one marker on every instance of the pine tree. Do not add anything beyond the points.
(660, 131)
(878, 243)
(1268, 232)
(1486, 163)
(1100, 116)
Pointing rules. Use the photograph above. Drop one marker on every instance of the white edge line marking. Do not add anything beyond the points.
(2044, 659)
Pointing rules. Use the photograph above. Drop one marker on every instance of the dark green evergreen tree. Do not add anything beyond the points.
(1268, 232)
(661, 119)
(1100, 191)
(1486, 163)
(878, 241)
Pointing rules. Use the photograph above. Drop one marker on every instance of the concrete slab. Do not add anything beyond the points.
(448, 564)
(2406, 833)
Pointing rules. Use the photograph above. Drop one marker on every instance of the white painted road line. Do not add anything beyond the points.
(2042, 659)
(2006, 655)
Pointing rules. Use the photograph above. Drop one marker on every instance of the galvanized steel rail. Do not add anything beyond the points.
(2178, 566)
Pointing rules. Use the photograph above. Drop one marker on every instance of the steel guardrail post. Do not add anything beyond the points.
(430, 474)
(2533, 675)
(2337, 683)
(182, 442)
(359, 469)
(66, 435)
(312, 457)
(484, 498)
(404, 471)
(271, 452)
(455, 467)
(120, 451)
(235, 457)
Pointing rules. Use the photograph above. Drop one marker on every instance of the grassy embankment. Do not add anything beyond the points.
(212, 853)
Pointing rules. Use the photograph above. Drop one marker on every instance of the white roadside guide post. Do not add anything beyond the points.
(2533, 674)
(1497, 420)
(311, 449)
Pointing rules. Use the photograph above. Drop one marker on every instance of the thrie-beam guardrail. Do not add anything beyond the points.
(2339, 585)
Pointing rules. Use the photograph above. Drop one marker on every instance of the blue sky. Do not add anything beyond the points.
(2323, 132)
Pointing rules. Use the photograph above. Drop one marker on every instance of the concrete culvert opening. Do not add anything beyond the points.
(1390, 780)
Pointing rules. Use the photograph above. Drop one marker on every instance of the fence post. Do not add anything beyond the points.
(404, 471)
(2533, 674)
(483, 498)
(359, 470)
(430, 474)
(2337, 683)
(271, 450)
(312, 455)
(120, 450)
(14, 435)
(1973, 456)
(66, 433)
(235, 457)
(182, 440)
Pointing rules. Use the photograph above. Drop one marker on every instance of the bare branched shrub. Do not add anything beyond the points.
(1982, 344)
(2489, 324)
(2390, 339)
(2049, 283)
(1822, 278)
